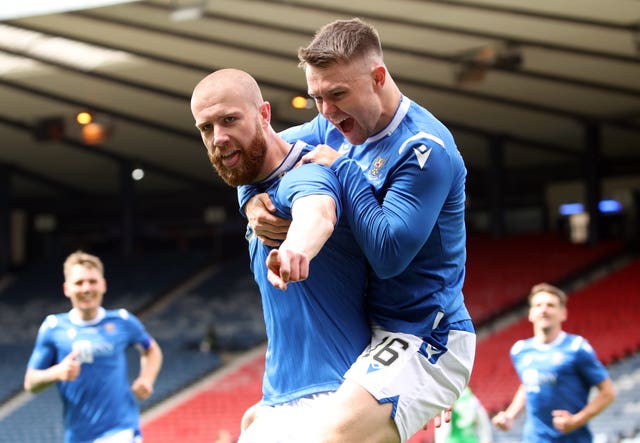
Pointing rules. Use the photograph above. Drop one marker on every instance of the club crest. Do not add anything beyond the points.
(378, 163)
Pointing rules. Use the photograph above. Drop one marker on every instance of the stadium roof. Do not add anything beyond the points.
(534, 90)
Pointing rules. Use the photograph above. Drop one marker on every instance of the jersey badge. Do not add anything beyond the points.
(378, 163)
(110, 328)
(422, 154)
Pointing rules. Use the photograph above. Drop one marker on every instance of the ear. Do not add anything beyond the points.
(64, 290)
(265, 114)
(564, 315)
(379, 75)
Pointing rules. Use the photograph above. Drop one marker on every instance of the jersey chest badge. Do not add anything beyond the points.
(378, 163)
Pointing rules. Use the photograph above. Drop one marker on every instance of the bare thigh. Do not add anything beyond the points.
(353, 415)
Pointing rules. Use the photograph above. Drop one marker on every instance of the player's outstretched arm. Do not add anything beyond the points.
(313, 220)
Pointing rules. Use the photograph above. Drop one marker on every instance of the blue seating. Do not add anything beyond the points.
(228, 301)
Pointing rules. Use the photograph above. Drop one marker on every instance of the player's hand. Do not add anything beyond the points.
(564, 421)
(142, 388)
(270, 229)
(443, 417)
(69, 368)
(502, 421)
(286, 265)
(322, 155)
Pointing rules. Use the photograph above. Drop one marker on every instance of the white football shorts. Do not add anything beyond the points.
(284, 423)
(420, 379)
(124, 436)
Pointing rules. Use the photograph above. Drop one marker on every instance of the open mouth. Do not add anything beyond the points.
(346, 125)
(230, 159)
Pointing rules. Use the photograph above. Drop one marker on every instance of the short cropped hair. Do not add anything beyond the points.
(546, 287)
(340, 41)
(84, 259)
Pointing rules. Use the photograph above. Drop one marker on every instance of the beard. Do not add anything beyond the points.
(251, 159)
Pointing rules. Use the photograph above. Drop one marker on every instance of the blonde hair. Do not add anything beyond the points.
(84, 259)
(546, 287)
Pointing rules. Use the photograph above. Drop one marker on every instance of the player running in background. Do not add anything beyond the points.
(83, 351)
(557, 371)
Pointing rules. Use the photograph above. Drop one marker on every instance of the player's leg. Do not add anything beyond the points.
(408, 380)
(353, 415)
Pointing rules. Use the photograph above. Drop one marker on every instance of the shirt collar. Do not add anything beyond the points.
(289, 161)
(74, 317)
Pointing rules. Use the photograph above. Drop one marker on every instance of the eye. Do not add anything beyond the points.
(205, 127)
(229, 119)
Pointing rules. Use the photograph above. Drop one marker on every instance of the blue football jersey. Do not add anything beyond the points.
(558, 375)
(403, 192)
(316, 328)
(99, 402)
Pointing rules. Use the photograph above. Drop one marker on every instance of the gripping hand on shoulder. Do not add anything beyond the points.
(322, 155)
(270, 229)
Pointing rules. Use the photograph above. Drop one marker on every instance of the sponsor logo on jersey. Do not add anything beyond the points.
(557, 358)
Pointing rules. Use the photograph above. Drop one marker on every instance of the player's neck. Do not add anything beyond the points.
(391, 97)
(277, 150)
(547, 336)
(87, 316)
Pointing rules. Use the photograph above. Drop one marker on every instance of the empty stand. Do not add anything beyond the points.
(500, 272)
